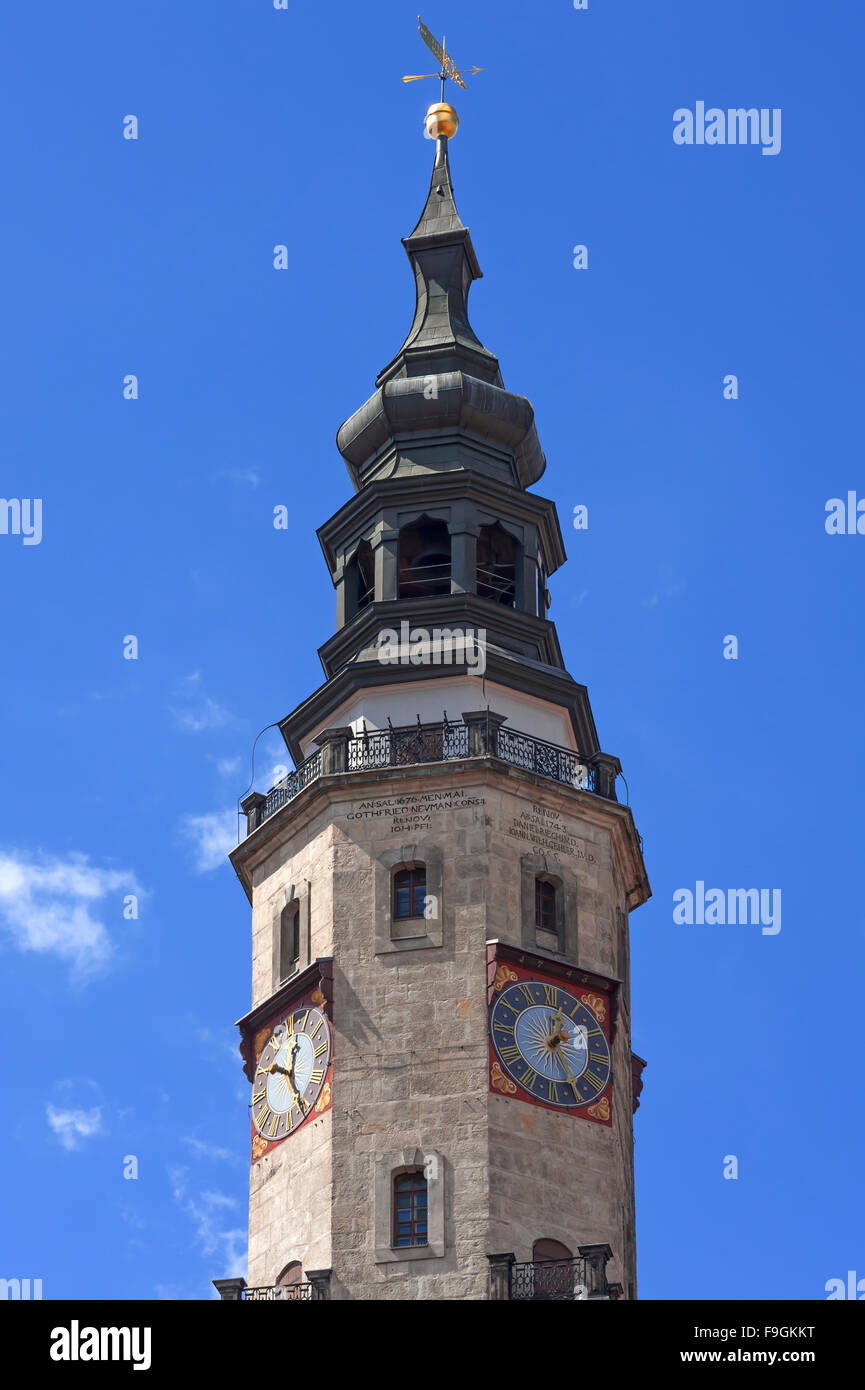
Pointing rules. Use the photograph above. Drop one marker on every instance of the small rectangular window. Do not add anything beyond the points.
(545, 905)
(289, 940)
(409, 893)
(410, 1209)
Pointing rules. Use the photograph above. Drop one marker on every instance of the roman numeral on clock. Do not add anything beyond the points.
(551, 995)
(510, 1053)
(316, 1076)
(526, 990)
(322, 1047)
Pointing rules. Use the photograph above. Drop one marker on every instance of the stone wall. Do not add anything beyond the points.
(410, 1035)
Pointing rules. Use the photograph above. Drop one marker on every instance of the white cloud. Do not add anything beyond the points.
(667, 585)
(228, 767)
(74, 1126)
(197, 711)
(240, 475)
(56, 905)
(204, 1150)
(226, 1245)
(211, 837)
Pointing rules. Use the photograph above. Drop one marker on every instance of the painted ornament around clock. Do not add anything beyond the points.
(292, 1076)
(551, 1046)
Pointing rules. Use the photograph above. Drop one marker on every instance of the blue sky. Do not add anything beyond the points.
(706, 518)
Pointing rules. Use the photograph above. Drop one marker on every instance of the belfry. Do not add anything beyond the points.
(438, 1049)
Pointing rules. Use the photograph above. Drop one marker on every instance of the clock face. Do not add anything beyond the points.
(290, 1073)
(550, 1044)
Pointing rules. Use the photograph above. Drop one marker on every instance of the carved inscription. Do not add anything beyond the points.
(544, 829)
(414, 811)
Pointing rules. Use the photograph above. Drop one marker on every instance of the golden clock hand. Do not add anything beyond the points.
(298, 1100)
(556, 1025)
(287, 1072)
(571, 1079)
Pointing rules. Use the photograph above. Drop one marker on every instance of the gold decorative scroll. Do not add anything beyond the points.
(600, 1110)
(500, 1082)
(504, 976)
(596, 1004)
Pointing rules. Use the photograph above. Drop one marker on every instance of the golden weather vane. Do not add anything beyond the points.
(448, 66)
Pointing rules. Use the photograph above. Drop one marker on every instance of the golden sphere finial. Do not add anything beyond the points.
(441, 119)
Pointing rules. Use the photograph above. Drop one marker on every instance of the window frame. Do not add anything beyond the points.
(546, 905)
(289, 936)
(417, 1186)
(414, 871)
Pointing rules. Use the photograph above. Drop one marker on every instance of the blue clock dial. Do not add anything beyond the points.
(290, 1073)
(550, 1044)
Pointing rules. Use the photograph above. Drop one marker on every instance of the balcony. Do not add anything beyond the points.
(580, 1279)
(314, 1289)
(481, 735)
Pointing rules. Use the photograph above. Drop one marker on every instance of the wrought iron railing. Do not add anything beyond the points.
(287, 789)
(564, 1280)
(284, 1293)
(483, 736)
(423, 743)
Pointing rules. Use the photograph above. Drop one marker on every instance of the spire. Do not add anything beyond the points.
(440, 404)
(440, 250)
(440, 210)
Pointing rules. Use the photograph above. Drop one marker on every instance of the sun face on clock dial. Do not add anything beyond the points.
(290, 1073)
(550, 1044)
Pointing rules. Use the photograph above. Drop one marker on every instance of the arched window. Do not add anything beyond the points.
(424, 559)
(555, 1274)
(290, 1282)
(360, 580)
(550, 1250)
(497, 565)
(410, 1209)
(409, 892)
(545, 905)
(289, 940)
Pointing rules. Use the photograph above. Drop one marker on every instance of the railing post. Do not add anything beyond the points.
(252, 805)
(320, 1281)
(607, 768)
(483, 727)
(596, 1257)
(334, 749)
(229, 1290)
(500, 1274)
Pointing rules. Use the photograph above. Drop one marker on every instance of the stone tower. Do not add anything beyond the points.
(439, 1041)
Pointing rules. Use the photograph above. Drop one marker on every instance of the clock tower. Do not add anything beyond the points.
(438, 1050)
